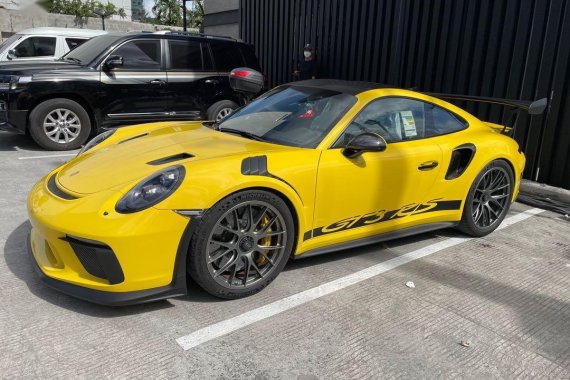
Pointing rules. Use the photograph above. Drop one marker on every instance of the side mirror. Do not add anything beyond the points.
(365, 142)
(11, 54)
(112, 62)
(246, 80)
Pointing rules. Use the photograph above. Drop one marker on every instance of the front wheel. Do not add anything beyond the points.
(489, 199)
(59, 124)
(241, 244)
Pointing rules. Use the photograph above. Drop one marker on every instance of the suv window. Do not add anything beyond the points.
(402, 119)
(227, 55)
(36, 47)
(72, 43)
(250, 58)
(140, 55)
(185, 55)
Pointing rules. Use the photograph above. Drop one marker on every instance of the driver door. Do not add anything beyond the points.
(137, 90)
(378, 192)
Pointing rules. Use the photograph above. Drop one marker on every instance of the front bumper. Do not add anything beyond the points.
(149, 248)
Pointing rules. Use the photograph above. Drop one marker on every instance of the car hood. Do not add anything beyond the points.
(138, 155)
(31, 67)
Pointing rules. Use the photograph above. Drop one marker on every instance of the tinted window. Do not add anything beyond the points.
(185, 55)
(36, 47)
(91, 49)
(207, 58)
(289, 115)
(72, 43)
(140, 55)
(443, 122)
(250, 58)
(227, 56)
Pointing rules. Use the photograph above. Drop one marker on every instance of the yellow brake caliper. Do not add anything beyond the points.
(265, 241)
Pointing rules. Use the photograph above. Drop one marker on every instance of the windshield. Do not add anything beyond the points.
(85, 53)
(291, 115)
(9, 41)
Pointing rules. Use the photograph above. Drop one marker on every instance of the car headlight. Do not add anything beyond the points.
(96, 140)
(151, 190)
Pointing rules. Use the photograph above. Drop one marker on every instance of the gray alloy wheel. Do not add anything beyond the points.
(491, 198)
(245, 244)
(223, 113)
(62, 125)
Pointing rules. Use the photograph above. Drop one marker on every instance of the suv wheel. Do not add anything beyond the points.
(59, 124)
(221, 109)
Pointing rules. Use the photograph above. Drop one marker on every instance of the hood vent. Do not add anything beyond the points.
(169, 159)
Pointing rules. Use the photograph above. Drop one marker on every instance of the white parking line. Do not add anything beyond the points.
(230, 325)
(50, 156)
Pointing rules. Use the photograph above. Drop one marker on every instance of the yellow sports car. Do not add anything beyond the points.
(307, 168)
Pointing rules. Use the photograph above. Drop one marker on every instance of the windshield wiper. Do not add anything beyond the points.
(242, 133)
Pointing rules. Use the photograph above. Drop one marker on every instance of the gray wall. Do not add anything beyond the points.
(12, 21)
(221, 17)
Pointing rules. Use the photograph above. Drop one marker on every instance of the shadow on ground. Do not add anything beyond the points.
(19, 262)
(15, 142)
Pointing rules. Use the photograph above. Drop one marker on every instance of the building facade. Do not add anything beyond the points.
(500, 48)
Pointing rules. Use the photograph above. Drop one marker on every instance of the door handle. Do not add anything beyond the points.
(428, 165)
(211, 81)
(157, 82)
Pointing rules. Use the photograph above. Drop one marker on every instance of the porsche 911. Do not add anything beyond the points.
(308, 168)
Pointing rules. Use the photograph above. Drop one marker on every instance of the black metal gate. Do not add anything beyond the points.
(515, 49)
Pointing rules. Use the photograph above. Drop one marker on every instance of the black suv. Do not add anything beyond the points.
(118, 79)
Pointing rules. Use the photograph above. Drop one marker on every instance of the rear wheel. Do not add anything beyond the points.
(489, 199)
(242, 244)
(59, 124)
(220, 110)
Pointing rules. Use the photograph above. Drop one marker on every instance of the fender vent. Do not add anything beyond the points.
(169, 159)
(254, 166)
(460, 159)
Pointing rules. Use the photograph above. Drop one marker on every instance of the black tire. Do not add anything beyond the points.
(217, 109)
(76, 113)
(471, 223)
(200, 264)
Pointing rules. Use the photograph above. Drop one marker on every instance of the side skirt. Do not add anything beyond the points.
(377, 238)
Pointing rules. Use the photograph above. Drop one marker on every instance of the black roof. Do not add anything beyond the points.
(344, 86)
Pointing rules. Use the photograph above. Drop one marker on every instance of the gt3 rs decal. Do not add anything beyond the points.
(382, 216)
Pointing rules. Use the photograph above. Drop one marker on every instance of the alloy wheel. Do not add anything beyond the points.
(491, 197)
(62, 125)
(246, 244)
(223, 113)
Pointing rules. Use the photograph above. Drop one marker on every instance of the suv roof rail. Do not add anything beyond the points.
(194, 34)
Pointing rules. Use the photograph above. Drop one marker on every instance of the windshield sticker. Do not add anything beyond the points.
(409, 124)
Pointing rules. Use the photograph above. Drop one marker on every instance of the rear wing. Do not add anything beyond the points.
(536, 107)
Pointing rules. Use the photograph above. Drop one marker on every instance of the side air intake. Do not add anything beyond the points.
(460, 159)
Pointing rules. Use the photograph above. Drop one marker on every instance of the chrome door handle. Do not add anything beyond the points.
(157, 82)
(212, 81)
(428, 165)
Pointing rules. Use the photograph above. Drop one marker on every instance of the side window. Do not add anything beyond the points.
(250, 58)
(395, 119)
(443, 122)
(227, 56)
(36, 47)
(185, 55)
(140, 55)
(72, 43)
